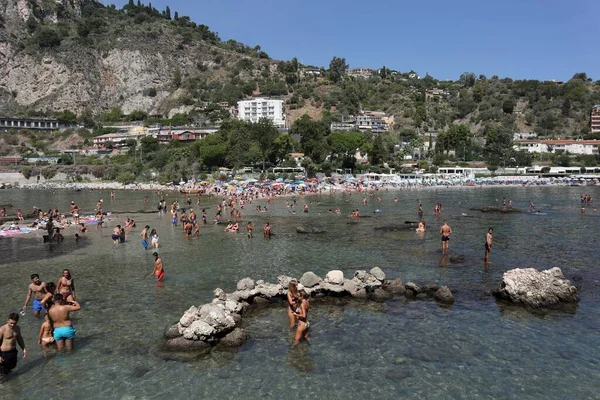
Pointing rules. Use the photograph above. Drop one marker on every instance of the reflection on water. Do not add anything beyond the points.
(413, 349)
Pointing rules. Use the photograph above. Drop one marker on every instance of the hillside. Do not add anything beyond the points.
(82, 56)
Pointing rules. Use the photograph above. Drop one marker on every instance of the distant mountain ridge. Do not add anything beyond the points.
(73, 54)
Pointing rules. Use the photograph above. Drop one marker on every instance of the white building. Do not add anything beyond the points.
(553, 146)
(255, 109)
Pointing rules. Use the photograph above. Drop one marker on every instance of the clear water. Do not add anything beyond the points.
(474, 349)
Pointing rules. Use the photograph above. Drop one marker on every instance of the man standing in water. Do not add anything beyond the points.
(37, 289)
(488, 244)
(144, 236)
(446, 231)
(64, 333)
(10, 335)
(159, 271)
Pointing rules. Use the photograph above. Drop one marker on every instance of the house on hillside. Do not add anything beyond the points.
(595, 120)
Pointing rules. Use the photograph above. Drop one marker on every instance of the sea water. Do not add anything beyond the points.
(476, 348)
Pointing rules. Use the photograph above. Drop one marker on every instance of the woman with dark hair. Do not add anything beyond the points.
(66, 286)
(293, 298)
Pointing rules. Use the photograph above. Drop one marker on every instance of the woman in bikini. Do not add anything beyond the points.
(293, 298)
(46, 335)
(66, 286)
(302, 314)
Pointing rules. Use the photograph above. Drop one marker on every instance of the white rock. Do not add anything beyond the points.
(335, 277)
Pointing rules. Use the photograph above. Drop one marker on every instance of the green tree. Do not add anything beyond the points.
(379, 152)
(67, 116)
(508, 106)
(467, 79)
(168, 13)
(498, 144)
(345, 144)
(149, 145)
(265, 133)
(283, 145)
(49, 172)
(312, 138)
(86, 118)
(47, 37)
(27, 172)
(337, 69)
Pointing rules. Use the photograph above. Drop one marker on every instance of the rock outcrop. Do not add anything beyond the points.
(533, 288)
(219, 322)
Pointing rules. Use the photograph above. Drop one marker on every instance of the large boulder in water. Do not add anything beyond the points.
(335, 277)
(378, 273)
(533, 288)
(310, 279)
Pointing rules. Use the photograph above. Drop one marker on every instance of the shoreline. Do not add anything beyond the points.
(320, 186)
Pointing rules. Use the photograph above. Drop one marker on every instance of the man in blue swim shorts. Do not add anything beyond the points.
(144, 236)
(64, 333)
(37, 290)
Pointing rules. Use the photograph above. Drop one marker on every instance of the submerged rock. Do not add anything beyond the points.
(182, 344)
(305, 231)
(395, 287)
(444, 295)
(496, 209)
(235, 338)
(533, 288)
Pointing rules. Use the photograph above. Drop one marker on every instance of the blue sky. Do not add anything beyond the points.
(520, 39)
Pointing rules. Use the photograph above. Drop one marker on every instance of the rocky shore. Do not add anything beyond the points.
(219, 322)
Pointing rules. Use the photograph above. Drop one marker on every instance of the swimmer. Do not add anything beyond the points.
(64, 333)
(46, 335)
(446, 231)
(10, 335)
(144, 236)
(249, 229)
(37, 290)
(159, 271)
(488, 244)
(421, 227)
(302, 313)
(267, 231)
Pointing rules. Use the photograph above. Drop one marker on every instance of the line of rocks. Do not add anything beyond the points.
(219, 322)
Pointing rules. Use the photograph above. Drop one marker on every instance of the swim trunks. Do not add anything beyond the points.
(160, 274)
(115, 236)
(174, 221)
(9, 361)
(487, 247)
(445, 238)
(145, 243)
(37, 305)
(64, 332)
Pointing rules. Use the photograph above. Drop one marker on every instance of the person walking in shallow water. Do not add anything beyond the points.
(488, 244)
(446, 231)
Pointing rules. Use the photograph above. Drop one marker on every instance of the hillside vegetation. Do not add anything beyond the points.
(84, 62)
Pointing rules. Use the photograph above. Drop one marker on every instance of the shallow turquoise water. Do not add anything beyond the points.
(475, 349)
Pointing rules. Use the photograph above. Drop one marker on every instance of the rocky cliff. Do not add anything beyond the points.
(72, 54)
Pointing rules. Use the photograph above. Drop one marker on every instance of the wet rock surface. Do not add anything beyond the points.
(219, 322)
(534, 289)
